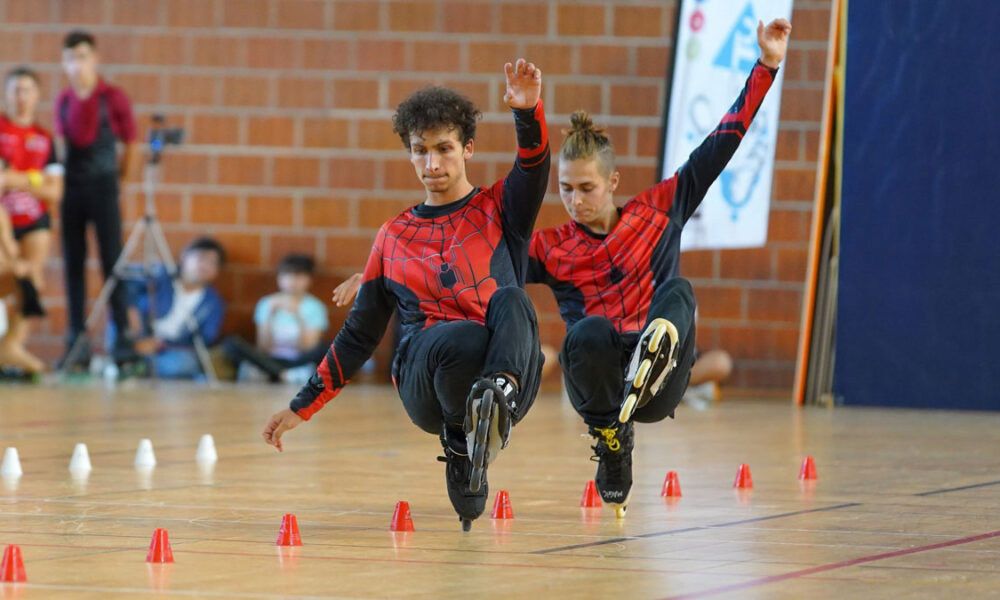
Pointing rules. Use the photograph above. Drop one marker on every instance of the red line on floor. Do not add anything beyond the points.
(829, 567)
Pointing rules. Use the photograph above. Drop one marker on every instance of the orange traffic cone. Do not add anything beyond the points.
(288, 534)
(501, 506)
(591, 499)
(743, 479)
(671, 486)
(12, 566)
(808, 470)
(159, 548)
(401, 519)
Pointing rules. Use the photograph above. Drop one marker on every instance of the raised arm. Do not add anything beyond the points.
(709, 159)
(524, 187)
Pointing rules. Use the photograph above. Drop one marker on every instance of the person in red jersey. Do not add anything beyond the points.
(453, 267)
(93, 118)
(31, 180)
(630, 336)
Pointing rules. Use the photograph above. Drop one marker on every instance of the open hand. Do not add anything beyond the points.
(345, 293)
(773, 41)
(524, 84)
(278, 424)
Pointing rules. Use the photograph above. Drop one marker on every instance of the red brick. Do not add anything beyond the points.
(374, 212)
(698, 264)
(652, 61)
(786, 344)
(326, 54)
(213, 208)
(189, 13)
(811, 24)
(412, 16)
(186, 168)
(754, 342)
(219, 52)
(799, 104)
(788, 146)
(436, 56)
(355, 93)
(81, 13)
(636, 100)
(29, 11)
(292, 171)
(812, 145)
(358, 173)
(192, 90)
(635, 179)
(570, 97)
(347, 252)
(271, 131)
(788, 226)
(815, 65)
(160, 49)
(779, 377)
(300, 243)
(773, 305)
(490, 57)
(115, 48)
(326, 213)
(648, 142)
(273, 211)
(639, 21)
(552, 59)
(381, 55)
(245, 13)
(274, 53)
(47, 48)
(325, 133)
(214, 129)
(356, 16)
(603, 60)
(377, 135)
(552, 214)
(748, 263)
(301, 14)
(13, 43)
(467, 17)
(524, 19)
(246, 91)
(797, 184)
(129, 12)
(241, 170)
(580, 19)
(294, 92)
(717, 302)
(792, 264)
(169, 207)
(241, 248)
(142, 88)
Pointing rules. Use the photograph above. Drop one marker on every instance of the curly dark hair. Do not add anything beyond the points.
(433, 107)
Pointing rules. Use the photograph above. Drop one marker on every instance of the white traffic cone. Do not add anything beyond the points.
(144, 457)
(206, 450)
(80, 463)
(11, 467)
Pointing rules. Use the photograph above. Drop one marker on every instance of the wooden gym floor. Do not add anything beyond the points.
(905, 505)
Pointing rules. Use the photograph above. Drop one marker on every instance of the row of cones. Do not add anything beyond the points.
(80, 461)
(672, 485)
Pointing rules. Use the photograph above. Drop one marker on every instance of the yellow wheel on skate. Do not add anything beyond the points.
(641, 372)
(657, 338)
(628, 407)
(620, 511)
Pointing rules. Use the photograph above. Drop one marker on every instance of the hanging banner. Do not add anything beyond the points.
(715, 50)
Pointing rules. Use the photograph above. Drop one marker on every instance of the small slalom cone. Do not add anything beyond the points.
(12, 566)
(808, 470)
(743, 479)
(80, 462)
(401, 519)
(144, 456)
(591, 499)
(11, 466)
(206, 450)
(501, 506)
(671, 486)
(288, 534)
(159, 548)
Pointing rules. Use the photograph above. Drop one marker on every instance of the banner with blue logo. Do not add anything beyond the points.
(716, 48)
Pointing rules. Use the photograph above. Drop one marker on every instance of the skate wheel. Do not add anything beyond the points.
(657, 338)
(641, 373)
(620, 511)
(476, 479)
(466, 524)
(628, 407)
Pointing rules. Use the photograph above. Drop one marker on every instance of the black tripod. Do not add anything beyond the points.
(155, 251)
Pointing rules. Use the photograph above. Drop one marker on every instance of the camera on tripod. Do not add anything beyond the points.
(161, 136)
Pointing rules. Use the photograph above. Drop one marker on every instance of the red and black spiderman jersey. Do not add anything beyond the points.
(25, 149)
(441, 263)
(614, 275)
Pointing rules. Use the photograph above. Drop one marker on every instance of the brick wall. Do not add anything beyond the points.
(287, 105)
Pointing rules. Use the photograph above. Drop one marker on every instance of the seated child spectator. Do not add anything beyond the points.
(178, 308)
(290, 327)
